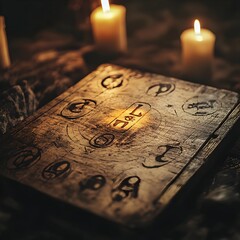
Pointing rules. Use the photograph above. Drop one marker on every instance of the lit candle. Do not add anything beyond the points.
(4, 54)
(197, 52)
(109, 27)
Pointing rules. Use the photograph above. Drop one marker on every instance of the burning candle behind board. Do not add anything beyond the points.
(4, 54)
(197, 52)
(109, 27)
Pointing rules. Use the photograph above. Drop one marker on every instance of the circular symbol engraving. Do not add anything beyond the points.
(127, 188)
(56, 170)
(200, 106)
(113, 81)
(160, 89)
(78, 108)
(24, 158)
(165, 155)
(93, 183)
(102, 140)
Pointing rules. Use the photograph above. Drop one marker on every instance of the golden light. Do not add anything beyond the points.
(197, 27)
(105, 5)
(197, 30)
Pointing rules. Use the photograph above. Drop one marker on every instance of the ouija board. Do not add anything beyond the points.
(120, 143)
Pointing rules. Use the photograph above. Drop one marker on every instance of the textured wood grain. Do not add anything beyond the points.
(120, 143)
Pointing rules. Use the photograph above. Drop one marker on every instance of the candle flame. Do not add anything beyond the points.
(105, 5)
(197, 27)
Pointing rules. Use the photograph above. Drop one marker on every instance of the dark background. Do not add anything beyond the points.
(25, 17)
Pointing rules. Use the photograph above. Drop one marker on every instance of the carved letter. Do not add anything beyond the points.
(120, 121)
(133, 112)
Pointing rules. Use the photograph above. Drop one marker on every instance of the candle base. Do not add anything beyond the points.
(4, 53)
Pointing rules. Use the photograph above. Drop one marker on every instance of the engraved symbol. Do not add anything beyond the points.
(117, 122)
(78, 108)
(56, 170)
(160, 89)
(113, 81)
(24, 158)
(127, 188)
(166, 154)
(200, 106)
(139, 114)
(102, 140)
(93, 183)
(130, 117)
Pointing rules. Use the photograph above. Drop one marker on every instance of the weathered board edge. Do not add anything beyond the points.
(197, 167)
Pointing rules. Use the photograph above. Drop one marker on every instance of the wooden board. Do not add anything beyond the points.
(120, 143)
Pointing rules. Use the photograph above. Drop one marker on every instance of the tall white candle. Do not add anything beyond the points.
(4, 54)
(197, 52)
(109, 27)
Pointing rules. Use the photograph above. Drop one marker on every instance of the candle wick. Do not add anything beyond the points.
(107, 11)
(199, 38)
(197, 29)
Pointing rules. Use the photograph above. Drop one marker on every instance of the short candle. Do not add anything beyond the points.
(4, 54)
(197, 52)
(109, 27)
